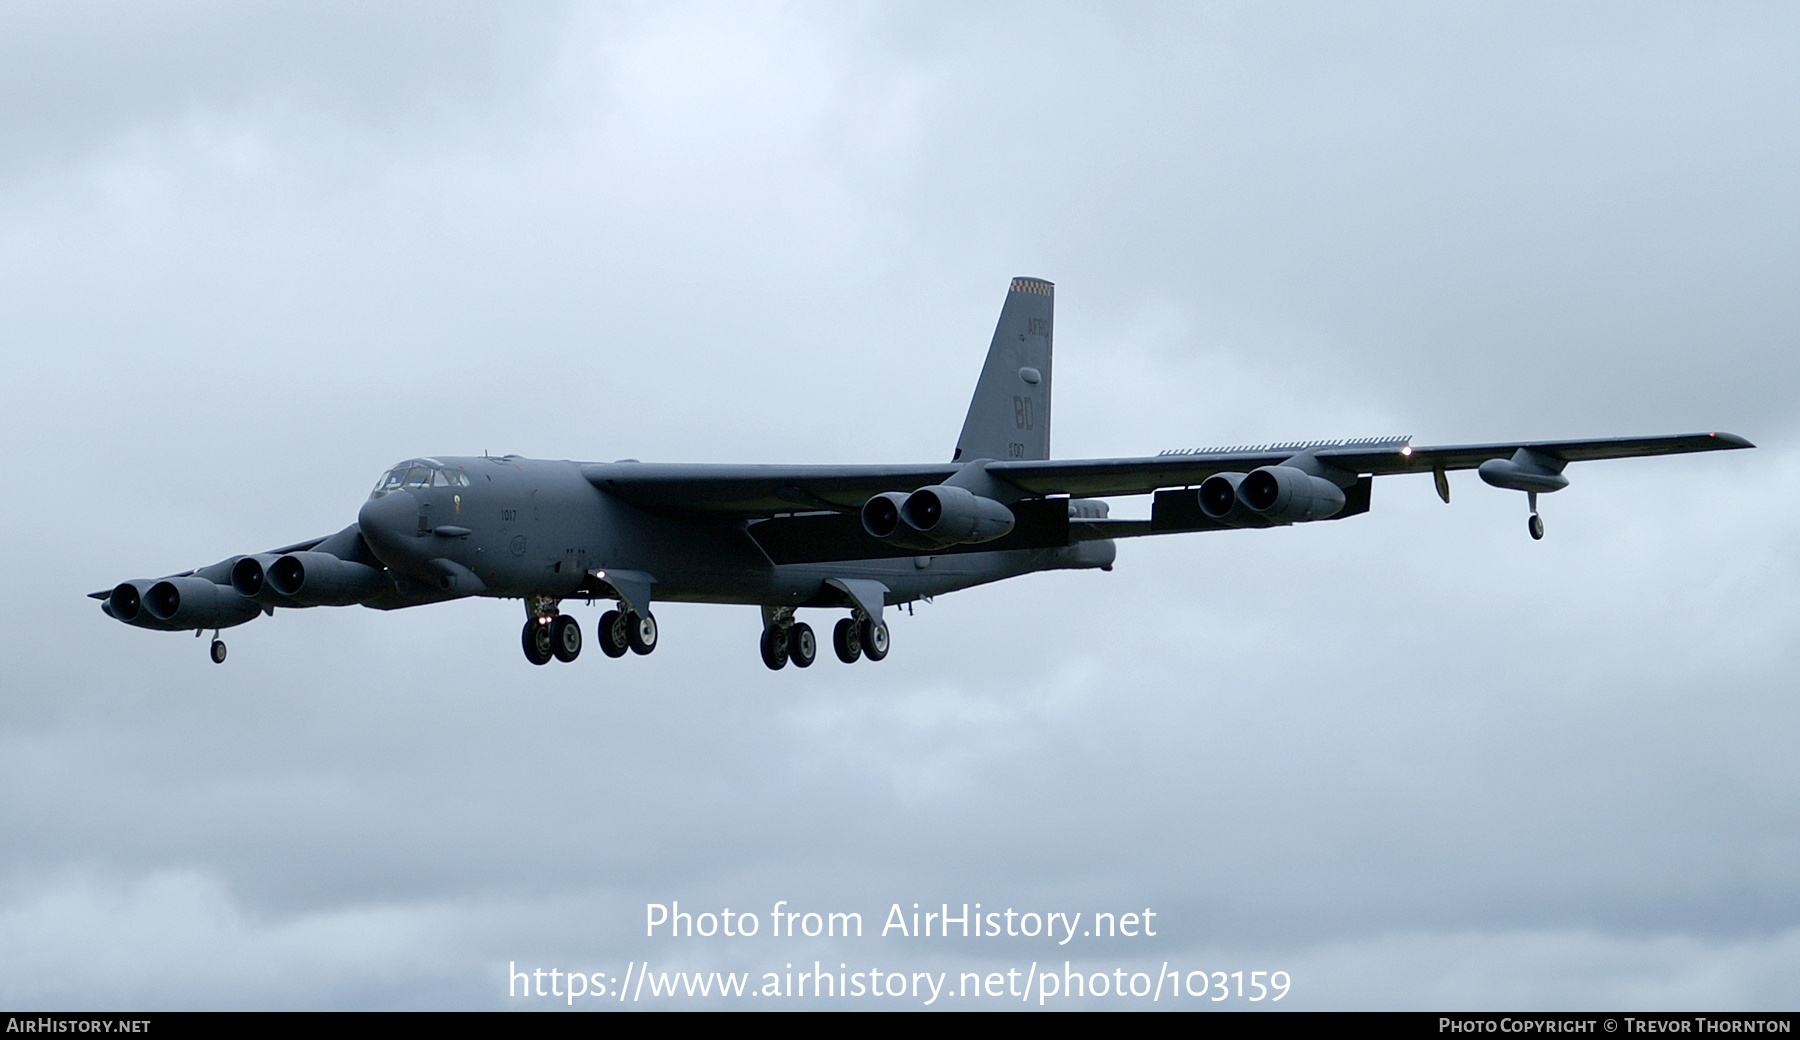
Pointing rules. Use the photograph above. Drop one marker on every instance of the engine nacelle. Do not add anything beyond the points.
(194, 602)
(951, 515)
(250, 577)
(1287, 495)
(936, 516)
(127, 603)
(1221, 501)
(316, 579)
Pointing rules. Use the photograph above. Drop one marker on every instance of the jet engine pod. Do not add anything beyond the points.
(193, 602)
(1287, 495)
(951, 515)
(250, 577)
(1221, 501)
(316, 579)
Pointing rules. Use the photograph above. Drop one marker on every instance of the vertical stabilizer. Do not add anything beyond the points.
(1009, 417)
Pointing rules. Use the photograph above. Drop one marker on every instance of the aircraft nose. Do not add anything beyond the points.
(389, 524)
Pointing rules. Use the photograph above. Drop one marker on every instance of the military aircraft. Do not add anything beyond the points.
(786, 538)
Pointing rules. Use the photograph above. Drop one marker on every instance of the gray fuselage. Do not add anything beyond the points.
(539, 528)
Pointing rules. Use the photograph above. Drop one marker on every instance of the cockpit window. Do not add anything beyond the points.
(388, 482)
(419, 473)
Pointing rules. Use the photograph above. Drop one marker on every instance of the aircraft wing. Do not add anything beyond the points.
(1103, 477)
(761, 491)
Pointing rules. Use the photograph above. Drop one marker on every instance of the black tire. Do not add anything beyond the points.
(803, 646)
(846, 639)
(874, 638)
(565, 638)
(1535, 524)
(774, 649)
(640, 632)
(218, 651)
(536, 640)
(614, 641)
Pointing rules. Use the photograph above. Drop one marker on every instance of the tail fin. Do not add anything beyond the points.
(1009, 417)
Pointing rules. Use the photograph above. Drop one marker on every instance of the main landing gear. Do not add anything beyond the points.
(626, 630)
(549, 634)
(785, 640)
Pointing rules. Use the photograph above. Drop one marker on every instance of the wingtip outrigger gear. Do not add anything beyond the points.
(1531, 472)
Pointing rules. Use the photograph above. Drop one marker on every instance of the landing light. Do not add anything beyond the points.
(1406, 450)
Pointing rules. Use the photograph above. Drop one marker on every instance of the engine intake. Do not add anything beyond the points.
(127, 603)
(881, 515)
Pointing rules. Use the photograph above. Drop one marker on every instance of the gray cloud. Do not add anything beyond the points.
(250, 257)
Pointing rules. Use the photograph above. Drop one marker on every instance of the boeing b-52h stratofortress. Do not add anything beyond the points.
(783, 538)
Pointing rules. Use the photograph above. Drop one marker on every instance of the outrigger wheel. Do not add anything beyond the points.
(218, 650)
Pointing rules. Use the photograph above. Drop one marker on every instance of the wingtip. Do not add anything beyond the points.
(1731, 440)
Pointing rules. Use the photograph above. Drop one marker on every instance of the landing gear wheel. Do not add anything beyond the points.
(846, 639)
(803, 646)
(537, 642)
(775, 649)
(218, 651)
(875, 638)
(640, 632)
(565, 638)
(1536, 526)
(614, 640)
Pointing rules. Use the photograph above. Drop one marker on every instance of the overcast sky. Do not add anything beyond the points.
(251, 255)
